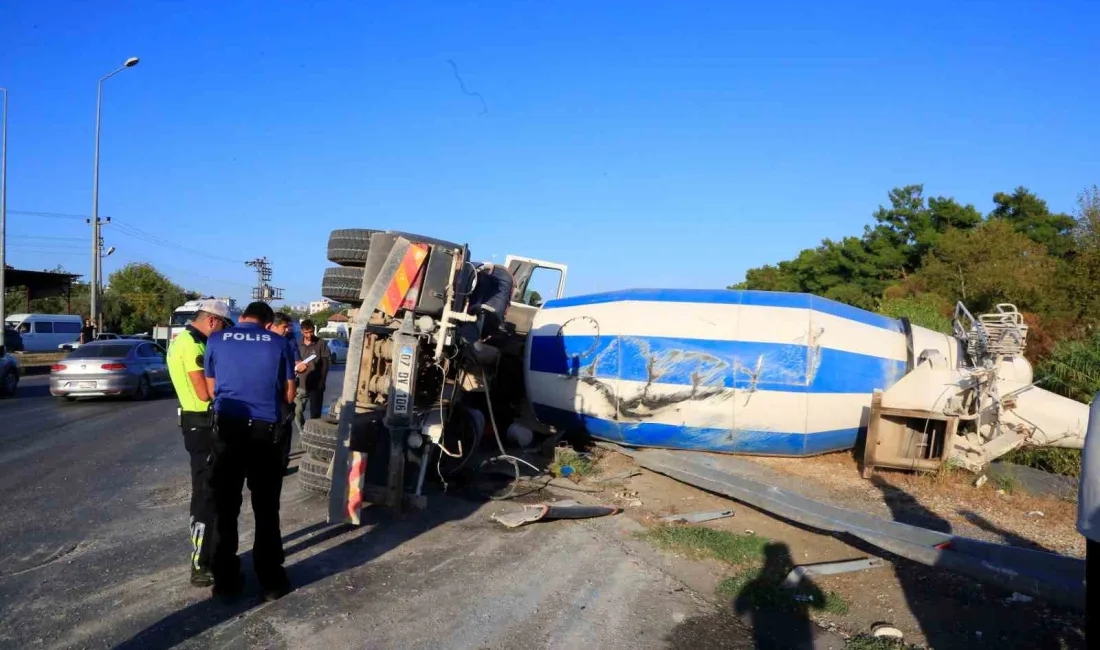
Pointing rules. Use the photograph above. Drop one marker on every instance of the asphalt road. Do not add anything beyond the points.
(94, 544)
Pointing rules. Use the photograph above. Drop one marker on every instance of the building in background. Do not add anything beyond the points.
(320, 305)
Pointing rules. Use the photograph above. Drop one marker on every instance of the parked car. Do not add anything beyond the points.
(13, 340)
(339, 350)
(128, 367)
(105, 336)
(44, 332)
(9, 374)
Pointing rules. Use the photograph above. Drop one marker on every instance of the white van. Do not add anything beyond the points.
(333, 331)
(44, 332)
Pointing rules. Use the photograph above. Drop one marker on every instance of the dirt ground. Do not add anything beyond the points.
(989, 512)
(932, 607)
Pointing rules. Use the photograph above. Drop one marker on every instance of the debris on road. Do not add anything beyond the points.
(830, 568)
(1017, 597)
(555, 510)
(697, 517)
(981, 481)
(621, 476)
(886, 631)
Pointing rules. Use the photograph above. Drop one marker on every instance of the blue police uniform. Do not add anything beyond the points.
(288, 425)
(250, 367)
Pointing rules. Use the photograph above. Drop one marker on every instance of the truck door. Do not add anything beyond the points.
(535, 282)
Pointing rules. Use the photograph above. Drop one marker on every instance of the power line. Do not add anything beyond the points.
(48, 215)
(45, 247)
(194, 273)
(46, 237)
(133, 232)
(150, 238)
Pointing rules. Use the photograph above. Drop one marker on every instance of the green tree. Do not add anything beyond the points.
(1073, 368)
(857, 270)
(990, 264)
(923, 309)
(1087, 230)
(320, 319)
(140, 297)
(909, 228)
(1030, 215)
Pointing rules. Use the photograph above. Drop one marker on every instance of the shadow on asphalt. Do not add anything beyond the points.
(381, 532)
(28, 392)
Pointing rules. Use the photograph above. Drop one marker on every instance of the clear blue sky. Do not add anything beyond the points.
(644, 144)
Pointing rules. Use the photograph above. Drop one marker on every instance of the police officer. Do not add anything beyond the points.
(185, 366)
(283, 326)
(249, 373)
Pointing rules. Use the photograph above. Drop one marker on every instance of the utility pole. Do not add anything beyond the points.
(3, 212)
(97, 280)
(94, 277)
(263, 289)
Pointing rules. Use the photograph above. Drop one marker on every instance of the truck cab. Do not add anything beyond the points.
(534, 282)
(183, 315)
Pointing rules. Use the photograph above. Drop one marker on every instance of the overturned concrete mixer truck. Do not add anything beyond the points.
(442, 349)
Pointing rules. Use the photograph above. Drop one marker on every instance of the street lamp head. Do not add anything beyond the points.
(109, 251)
(131, 62)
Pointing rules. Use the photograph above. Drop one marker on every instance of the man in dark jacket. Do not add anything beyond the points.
(311, 382)
(283, 325)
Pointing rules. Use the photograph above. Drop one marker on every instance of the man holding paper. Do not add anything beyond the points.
(316, 359)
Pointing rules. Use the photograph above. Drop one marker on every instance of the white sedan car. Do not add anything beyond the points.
(338, 348)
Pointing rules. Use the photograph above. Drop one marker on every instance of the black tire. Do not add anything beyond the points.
(8, 383)
(318, 453)
(343, 285)
(143, 391)
(313, 476)
(349, 246)
(319, 434)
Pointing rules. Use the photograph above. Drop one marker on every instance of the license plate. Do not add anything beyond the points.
(85, 384)
(402, 385)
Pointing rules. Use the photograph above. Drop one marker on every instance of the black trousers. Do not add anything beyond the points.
(251, 452)
(307, 405)
(199, 442)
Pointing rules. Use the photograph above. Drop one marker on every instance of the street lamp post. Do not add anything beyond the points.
(94, 302)
(3, 212)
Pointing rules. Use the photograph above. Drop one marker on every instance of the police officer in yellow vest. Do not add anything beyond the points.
(185, 365)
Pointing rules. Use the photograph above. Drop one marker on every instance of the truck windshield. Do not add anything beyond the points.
(181, 318)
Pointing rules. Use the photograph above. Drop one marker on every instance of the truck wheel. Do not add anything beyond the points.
(319, 434)
(343, 285)
(313, 476)
(317, 453)
(349, 246)
(8, 383)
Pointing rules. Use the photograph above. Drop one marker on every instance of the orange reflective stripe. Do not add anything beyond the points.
(357, 469)
(403, 279)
